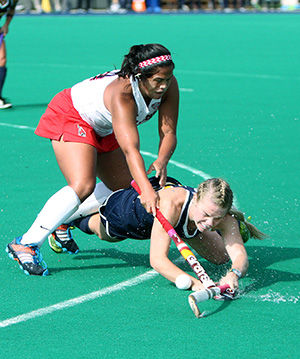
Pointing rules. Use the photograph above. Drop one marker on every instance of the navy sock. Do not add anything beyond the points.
(83, 224)
(3, 71)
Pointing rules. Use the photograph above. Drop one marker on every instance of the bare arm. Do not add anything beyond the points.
(168, 115)
(171, 201)
(123, 109)
(236, 250)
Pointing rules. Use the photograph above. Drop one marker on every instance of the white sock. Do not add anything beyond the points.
(57, 209)
(92, 203)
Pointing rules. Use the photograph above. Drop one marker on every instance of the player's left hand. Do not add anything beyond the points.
(231, 279)
(161, 171)
(229, 294)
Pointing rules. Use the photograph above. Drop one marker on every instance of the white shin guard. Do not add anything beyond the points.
(57, 209)
(92, 203)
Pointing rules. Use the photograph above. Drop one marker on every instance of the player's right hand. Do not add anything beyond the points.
(160, 171)
(150, 201)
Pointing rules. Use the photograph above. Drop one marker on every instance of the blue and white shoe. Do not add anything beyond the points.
(29, 258)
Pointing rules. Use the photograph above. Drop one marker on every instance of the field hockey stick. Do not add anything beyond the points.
(210, 287)
(200, 296)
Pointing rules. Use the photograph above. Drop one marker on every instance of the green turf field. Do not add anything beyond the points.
(239, 83)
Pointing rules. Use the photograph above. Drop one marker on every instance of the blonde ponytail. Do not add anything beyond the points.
(221, 194)
(253, 232)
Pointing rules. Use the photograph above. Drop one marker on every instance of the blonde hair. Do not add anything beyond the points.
(222, 195)
(253, 231)
(219, 190)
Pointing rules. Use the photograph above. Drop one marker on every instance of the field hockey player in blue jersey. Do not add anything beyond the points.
(204, 218)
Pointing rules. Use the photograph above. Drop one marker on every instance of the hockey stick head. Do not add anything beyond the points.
(194, 306)
(205, 294)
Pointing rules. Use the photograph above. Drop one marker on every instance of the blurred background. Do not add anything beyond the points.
(154, 6)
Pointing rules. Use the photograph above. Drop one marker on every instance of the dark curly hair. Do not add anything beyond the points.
(139, 53)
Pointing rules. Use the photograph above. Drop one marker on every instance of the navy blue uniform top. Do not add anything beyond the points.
(124, 217)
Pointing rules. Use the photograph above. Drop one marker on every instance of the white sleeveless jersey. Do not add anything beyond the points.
(88, 100)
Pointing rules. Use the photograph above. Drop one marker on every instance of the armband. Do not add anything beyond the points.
(9, 15)
(236, 272)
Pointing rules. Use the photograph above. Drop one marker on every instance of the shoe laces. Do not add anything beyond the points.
(63, 232)
(28, 254)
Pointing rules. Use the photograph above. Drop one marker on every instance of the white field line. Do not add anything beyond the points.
(19, 127)
(183, 89)
(90, 296)
(99, 68)
(199, 173)
(239, 75)
(150, 274)
(78, 300)
(82, 299)
(181, 165)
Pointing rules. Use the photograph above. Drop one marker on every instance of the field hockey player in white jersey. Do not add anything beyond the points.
(93, 130)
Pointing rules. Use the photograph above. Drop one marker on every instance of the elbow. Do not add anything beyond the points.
(155, 263)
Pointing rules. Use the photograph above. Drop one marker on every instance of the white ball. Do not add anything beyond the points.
(183, 281)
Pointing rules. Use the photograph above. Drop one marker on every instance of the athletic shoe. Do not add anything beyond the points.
(244, 231)
(61, 240)
(4, 104)
(29, 258)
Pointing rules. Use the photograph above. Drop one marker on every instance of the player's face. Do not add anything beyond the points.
(207, 215)
(156, 86)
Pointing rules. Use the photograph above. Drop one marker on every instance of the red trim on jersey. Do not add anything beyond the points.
(61, 119)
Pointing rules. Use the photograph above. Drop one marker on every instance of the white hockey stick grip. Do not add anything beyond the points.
(205, 294)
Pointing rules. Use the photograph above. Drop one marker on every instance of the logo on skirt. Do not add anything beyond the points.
(81, 131)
